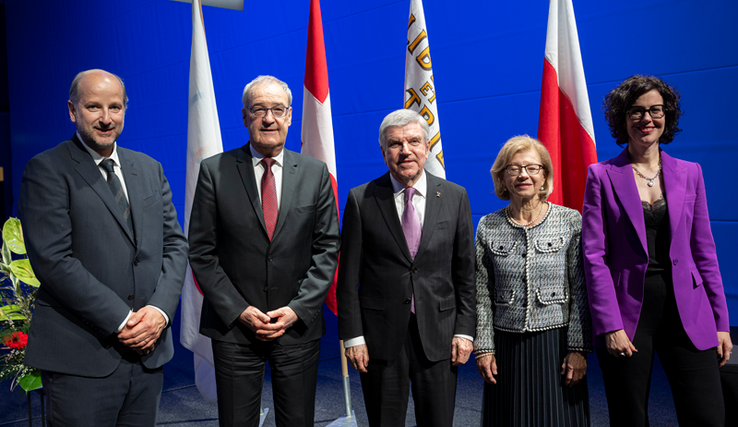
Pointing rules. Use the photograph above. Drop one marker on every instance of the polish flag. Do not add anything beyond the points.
(203, 141)
(565, 120)
(317, 122)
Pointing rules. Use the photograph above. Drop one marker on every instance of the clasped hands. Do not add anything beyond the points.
(271, 325)
(142, 330)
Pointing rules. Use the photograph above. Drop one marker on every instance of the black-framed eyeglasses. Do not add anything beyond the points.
(515, 170)
(637, 113)
(278, 112)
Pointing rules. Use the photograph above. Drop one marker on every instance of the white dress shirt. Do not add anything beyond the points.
(260, 168)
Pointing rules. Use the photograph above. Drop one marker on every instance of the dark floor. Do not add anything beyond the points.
(182, 405)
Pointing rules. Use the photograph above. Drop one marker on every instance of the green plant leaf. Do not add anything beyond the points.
(21, 268)
(31, 381)
(12, 312)
(13, 236)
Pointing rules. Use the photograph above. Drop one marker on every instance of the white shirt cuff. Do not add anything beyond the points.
(123, 325)
(464, 336)
(353, 342)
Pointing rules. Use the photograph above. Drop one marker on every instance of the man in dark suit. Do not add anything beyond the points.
(264, 242)
(406, 292)
(103, 238)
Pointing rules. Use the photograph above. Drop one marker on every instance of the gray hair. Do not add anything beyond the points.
(74, 89)
(402, 118)
(262, 80)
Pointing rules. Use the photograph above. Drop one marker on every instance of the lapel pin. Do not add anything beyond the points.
(438, 194)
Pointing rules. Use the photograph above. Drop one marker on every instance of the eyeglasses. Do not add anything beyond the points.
(278, 112)
(636, 113)
(515, 170)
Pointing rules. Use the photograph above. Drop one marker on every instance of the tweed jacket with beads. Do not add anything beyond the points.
(531, 279)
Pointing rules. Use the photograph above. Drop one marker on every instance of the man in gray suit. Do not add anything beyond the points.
(264, 244)
(103, 238)
(406, 291)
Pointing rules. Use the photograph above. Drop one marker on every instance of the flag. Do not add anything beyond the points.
(420, 91)
(317, 122)
(565, 121)
(203, 140)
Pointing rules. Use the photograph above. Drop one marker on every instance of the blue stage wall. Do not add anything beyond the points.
(487, 61)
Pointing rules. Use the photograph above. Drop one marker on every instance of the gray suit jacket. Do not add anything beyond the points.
(92, 269)
(378, 276)
(233, 260)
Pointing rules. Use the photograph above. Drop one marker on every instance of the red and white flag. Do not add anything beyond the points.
(317, 121)
(203, 141)
(565, 120)
(420, 89)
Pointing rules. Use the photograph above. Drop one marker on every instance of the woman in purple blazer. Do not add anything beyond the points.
(650, 264)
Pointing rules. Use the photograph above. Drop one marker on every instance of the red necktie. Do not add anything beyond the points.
(269, 197)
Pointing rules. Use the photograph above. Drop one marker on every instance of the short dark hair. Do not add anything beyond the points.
(620, 99)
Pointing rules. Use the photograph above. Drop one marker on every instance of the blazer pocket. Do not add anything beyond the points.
(504, 296)
(368, 303)
(447, 303)
(550, 244)
(502, 248)
(696, 278)
(556, 295)
(441, 225)
(305, 209)
(151, 199)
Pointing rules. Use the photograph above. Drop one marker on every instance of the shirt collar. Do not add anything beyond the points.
(420, 186)
(257, 157)
(97, 157)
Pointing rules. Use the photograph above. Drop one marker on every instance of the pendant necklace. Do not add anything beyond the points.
(650, 180)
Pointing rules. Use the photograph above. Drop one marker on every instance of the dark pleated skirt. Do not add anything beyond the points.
(529, 390)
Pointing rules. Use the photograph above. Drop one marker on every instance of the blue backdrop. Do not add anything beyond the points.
(487, 61)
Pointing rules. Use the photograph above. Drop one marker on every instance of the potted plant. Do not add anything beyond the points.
(18, 286)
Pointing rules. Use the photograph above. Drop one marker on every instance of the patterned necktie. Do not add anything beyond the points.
(117, 189)
(411, 223)
(269, 197)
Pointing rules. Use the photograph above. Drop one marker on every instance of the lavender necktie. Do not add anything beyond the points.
(411, 223)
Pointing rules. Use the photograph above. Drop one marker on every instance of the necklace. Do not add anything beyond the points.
(650, 180)
(526, 224)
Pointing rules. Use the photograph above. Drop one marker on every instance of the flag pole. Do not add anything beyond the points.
(348, 420)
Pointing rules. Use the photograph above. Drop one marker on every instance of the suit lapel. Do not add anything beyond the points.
(289, 182)
(433, 206)
(385, 198)
(245, 166)
(624, 186)
(136, 191)
(90, 172)
(675, 186)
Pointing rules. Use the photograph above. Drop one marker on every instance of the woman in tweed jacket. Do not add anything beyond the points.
(533, 322)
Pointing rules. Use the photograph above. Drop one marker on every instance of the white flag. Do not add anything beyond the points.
(203, 141)
(420, 90)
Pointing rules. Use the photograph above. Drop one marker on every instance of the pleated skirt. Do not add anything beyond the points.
(530, 391)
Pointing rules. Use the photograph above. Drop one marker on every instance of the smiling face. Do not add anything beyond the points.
(267, 134)
(647, 131)
(100, 111)
(404, 152)
(524, 187)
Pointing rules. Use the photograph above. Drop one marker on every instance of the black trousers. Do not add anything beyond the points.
(386, 387)
(693, 375)
(239, 377)
(129, 397)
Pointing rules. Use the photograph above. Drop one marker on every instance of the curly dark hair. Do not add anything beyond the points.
(620, 99)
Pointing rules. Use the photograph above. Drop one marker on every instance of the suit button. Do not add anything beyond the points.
(407, 301)
(130, 297)
(135, 261)
(266, 288)
(415, 271)
(269, 259)
(524, 254)
(676, 261)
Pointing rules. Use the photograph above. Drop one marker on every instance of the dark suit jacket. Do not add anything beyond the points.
(233, 260)
(616, 250)
(377, 275)
(92, 269)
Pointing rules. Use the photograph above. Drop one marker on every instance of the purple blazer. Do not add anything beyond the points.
(616, 251)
